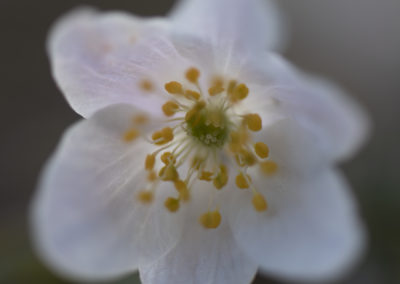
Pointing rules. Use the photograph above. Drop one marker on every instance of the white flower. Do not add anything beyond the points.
(204, 156)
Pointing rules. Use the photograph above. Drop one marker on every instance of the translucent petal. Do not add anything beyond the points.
(86, 218)
(311, 230)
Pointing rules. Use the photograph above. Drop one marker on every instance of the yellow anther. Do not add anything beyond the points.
(145, 196)
(192, 95)
(207, 176)
(152, 176)
(149, 162)
(215, 90)
(261, 149)
(253, 121)
(259, 202)
(181, 187)
(238, 139)
(170, 108)
(174, 88)
(167, 158)
(231, 86)
(172, 204)
(222, 178)
(163, 136)
(196, 162)
(169, 173)
(146, 85)
(242, 181)
(210, 220)
(131, 135)
(140, 119)
(192, 75)
(240, 92)
(269, 167)
(194, 114)
(246, 158)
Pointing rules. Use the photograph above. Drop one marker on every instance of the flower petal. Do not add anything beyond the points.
(310, 231)
(202, 256)
(243, 24)
(338, 122)
(87, 221)
(90, 58)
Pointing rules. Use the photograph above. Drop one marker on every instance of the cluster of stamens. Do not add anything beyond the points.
(210, 138)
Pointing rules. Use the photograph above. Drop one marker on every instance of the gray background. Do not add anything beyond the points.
(355, 42)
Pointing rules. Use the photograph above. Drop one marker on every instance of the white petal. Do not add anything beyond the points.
(338, 122)
(311, 230)
(243, 24)
(90, 57)
(86, 219)
(202, 256)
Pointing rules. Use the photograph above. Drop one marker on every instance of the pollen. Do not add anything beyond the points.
(253, 122)
(167, 158)
(210, 220)
(192, 75)
(163, 136)
(181, 187)
(145, 196)
(192, 95)
(169, 173)
(269, 167)
(239, 93)
(149, 162)
(261, 150)
(172, 204)
(170, 108)
(242, 181)
(152, 176)
(174, 88)
(131, 135)
(146, 85)
(259, 202)
(222, 178)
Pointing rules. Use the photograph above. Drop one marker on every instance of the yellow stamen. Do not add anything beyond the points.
(189, 94)
(152, 176)
(172, 204)
(231, 86)
(261, 149)
(169, 173)
(181, 187)
(145, 196)
(210, 220)
(241, 181)
(269, 167)
(259, 202)
(246, 158)
(146, 85)
(240, 92)
(167, 158)
(131, 135)
(149, 162)
(170, 108)
(174, 88)
(205, 176)
(253, 122)
(192, 75)
(163, 136)
(140, 119)
(222, 178)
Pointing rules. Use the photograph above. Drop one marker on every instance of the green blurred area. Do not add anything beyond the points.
(355, 42)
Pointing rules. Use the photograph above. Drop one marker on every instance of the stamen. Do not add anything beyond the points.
(167, 158)
(181, 187)
(253, 121)
(242, 181)
(172, 204)
(146, 85)
(170, 108)
(149, 162)
(163, 136)
(269, 167)
(152, 176)
(192, 75)
(192, 95)
(174, 88)
(222, 178)
(239, 93)
(259, 202)
(261, 149)
(131, 135)
(210, 220)
(169, 173)
(140, 119)
(207, 176)
(145, 196)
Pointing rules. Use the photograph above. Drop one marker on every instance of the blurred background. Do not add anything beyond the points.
(354, 42)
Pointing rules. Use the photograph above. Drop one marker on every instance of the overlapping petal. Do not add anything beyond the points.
(311, 230)
(247, 25)
(86, 218)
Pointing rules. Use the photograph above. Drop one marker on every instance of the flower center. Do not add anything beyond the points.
(209, 137)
